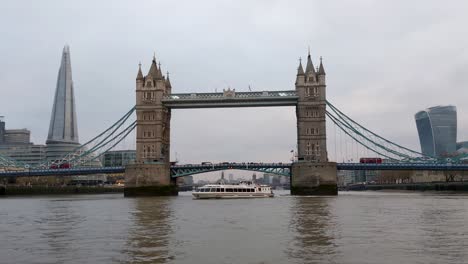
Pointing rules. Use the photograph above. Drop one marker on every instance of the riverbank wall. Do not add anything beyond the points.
(47, 190)
(430, 186)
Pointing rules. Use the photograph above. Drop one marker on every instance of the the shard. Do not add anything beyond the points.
(63, 130)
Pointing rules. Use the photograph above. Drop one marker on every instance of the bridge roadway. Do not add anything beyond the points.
(283, 169)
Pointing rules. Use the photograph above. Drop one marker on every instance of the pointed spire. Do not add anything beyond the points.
(140, 74)
(63, 125)
(159, 71)
(153, 71)
(300, 70)
(321, 70)
(168, 82)
(310, 65)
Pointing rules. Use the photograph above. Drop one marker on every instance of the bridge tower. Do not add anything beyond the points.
(150, 174)
(312, 174)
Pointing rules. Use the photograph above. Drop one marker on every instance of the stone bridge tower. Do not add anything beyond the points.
(150, 175)
(312, 173)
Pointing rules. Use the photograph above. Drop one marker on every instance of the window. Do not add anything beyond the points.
(312, 91)
(315, 91)
(312, 131)
(317, 149)
(229, 190)
(222, 189)
(218, 190)
(149, 96)
(308, 150)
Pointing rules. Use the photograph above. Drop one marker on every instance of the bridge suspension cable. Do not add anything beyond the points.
(94, 148)
(7, 162)
(373, 141)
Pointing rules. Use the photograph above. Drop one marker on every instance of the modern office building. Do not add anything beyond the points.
(118, 158)
(437, 129)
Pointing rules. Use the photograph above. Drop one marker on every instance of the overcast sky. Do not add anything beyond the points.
(385, 60)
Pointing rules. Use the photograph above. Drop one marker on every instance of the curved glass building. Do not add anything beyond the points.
(437, 129)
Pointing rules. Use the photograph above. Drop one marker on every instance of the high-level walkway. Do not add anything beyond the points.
(230, 98)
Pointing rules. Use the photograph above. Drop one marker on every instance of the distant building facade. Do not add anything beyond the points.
(118, 158)
(462, 147)
(437, 129)
(15, 144)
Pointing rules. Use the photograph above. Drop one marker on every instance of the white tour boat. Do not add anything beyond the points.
(227, 191)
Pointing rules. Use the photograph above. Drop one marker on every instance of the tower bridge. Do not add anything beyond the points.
(151, 174)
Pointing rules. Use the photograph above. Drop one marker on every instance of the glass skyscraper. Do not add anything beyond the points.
(437, 129)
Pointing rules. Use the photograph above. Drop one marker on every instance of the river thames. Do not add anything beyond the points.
(354, 227)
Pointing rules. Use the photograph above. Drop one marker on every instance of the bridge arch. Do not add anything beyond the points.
(272, 168)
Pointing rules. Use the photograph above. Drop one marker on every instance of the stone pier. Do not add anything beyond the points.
(309, 178)
(149, 180)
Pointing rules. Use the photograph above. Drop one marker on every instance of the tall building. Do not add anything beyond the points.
(63, 129)
(437, 129)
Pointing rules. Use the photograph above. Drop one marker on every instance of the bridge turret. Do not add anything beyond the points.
(310, 70)
(139, 79)
(300, 77)
(168, 84)
(153, 71)
(321, 73)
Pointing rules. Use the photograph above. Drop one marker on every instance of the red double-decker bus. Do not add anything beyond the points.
(64, 165)
(370, 160)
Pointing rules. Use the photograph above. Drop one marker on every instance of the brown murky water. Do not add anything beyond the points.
(366, 227)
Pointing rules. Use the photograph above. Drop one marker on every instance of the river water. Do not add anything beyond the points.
(354, 227)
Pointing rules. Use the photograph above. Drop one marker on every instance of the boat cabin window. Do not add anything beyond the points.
(213, 190)
(228, 189)
(218, 190)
